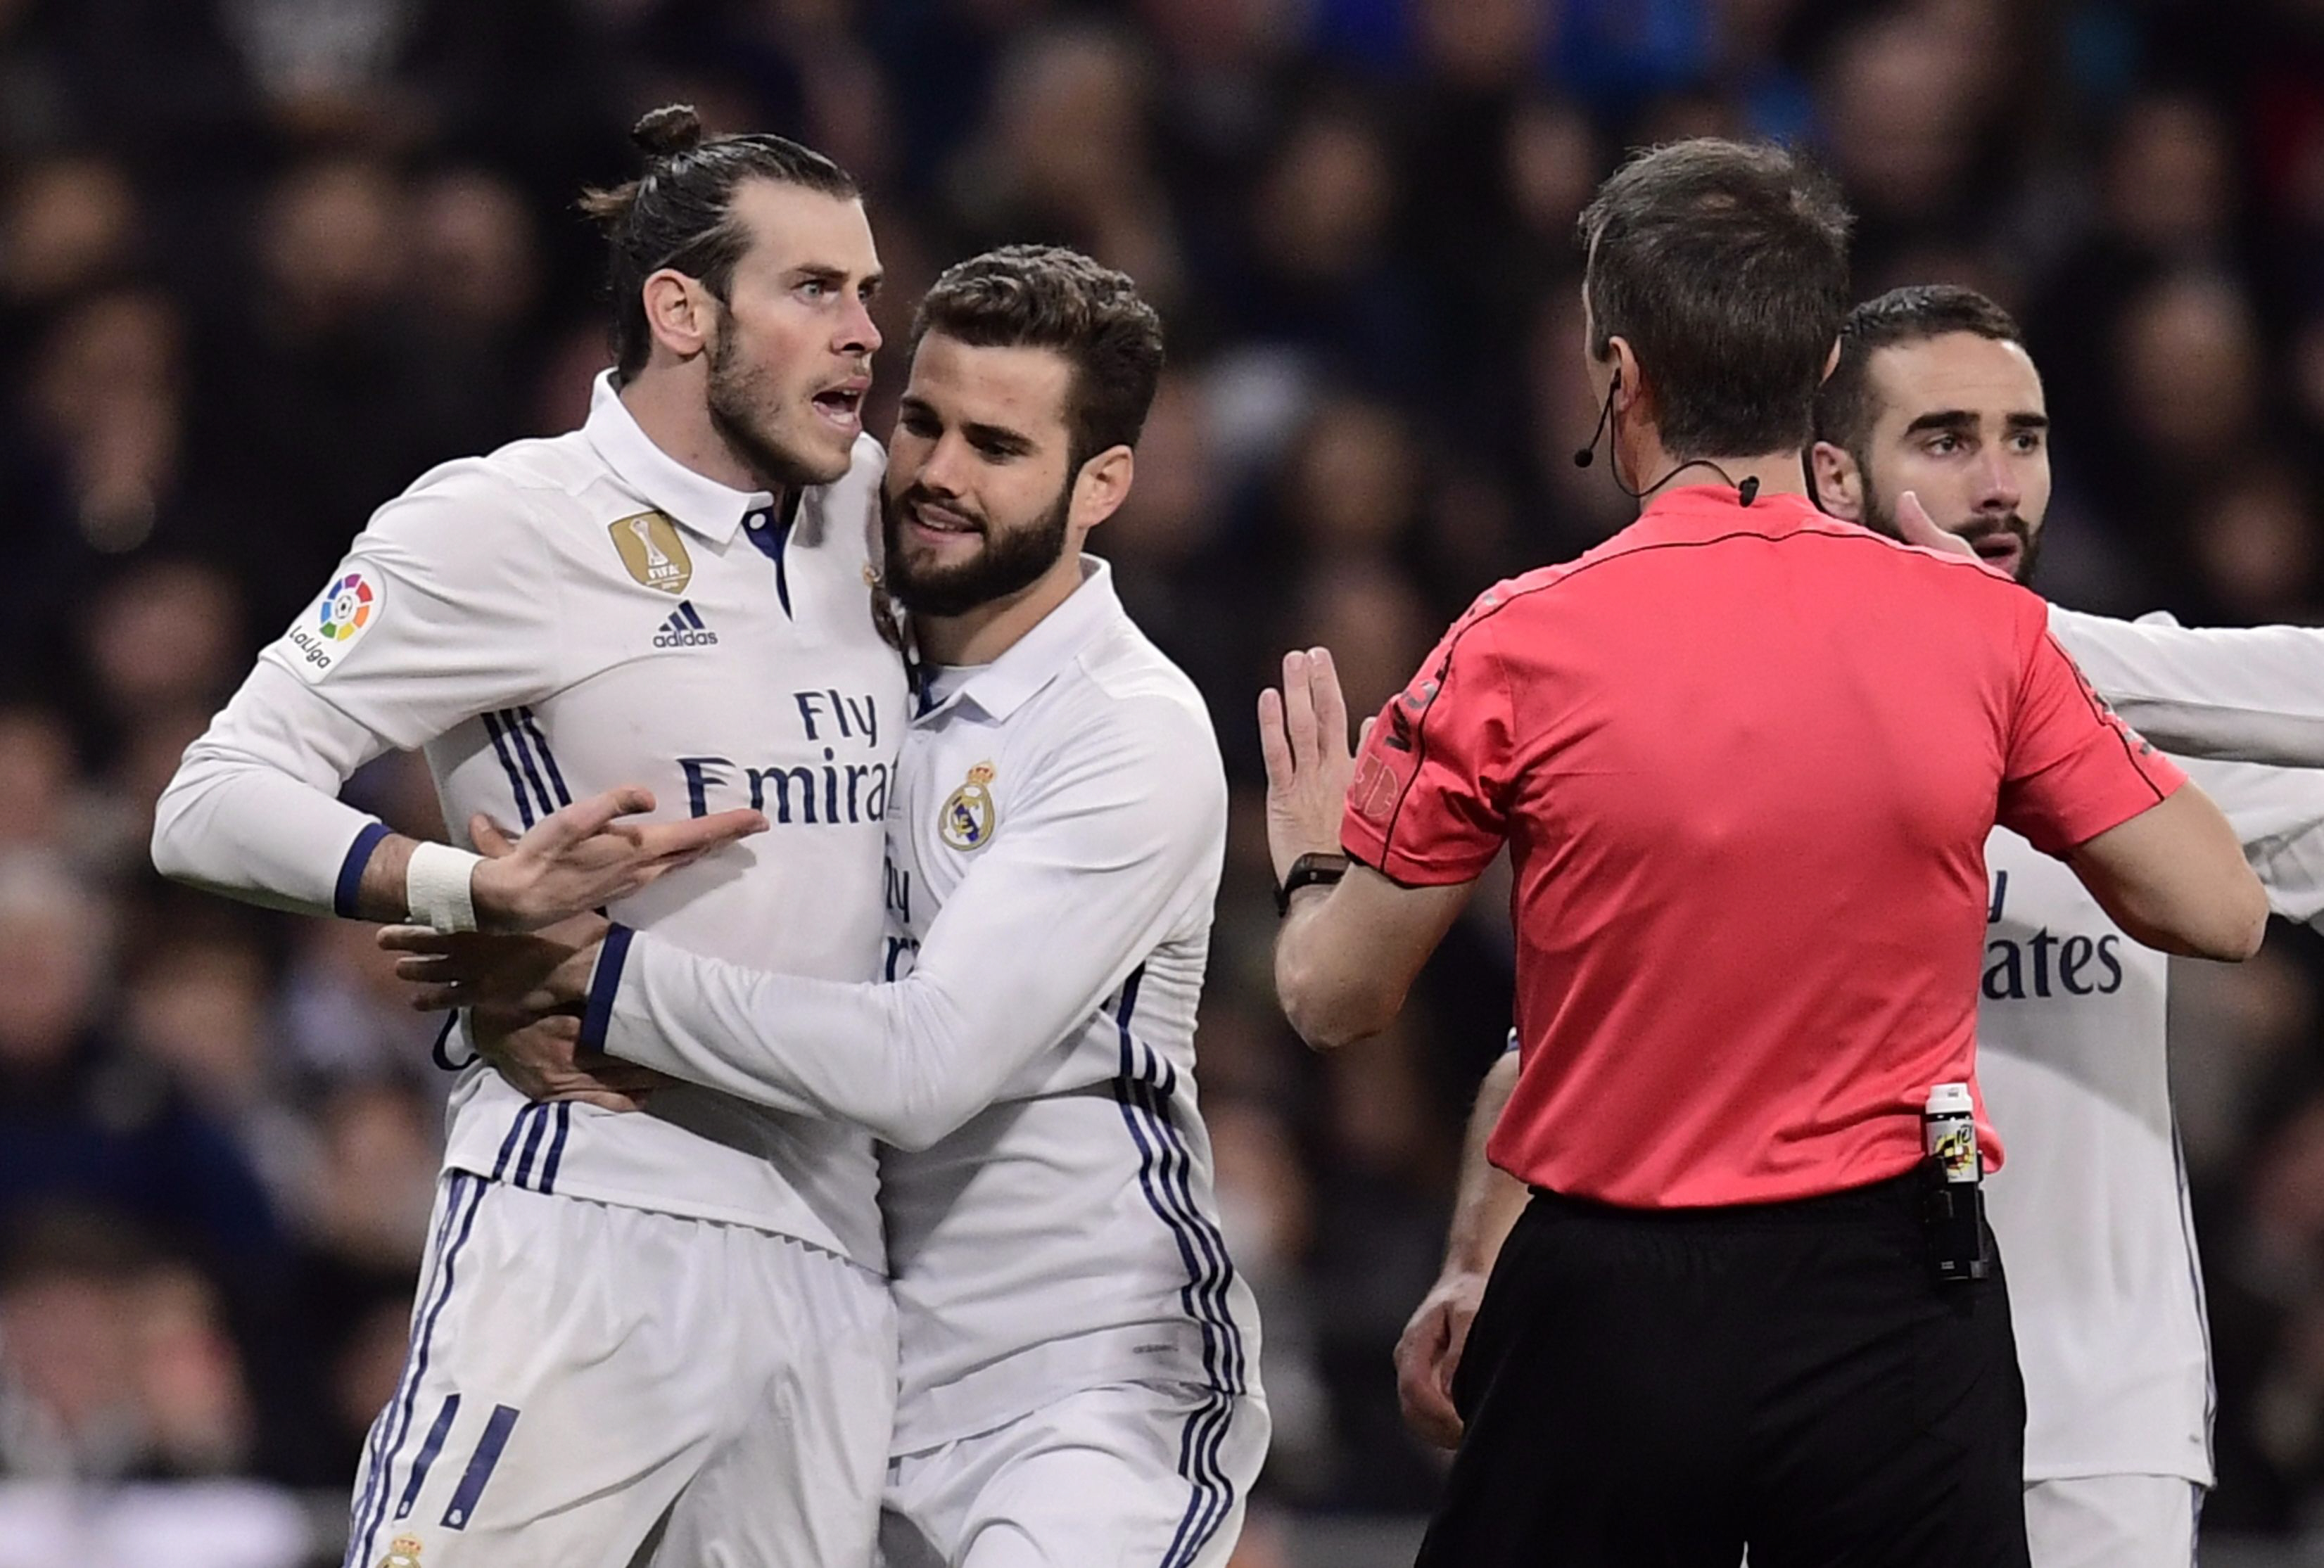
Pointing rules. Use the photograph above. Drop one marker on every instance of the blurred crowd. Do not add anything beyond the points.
(263, 261)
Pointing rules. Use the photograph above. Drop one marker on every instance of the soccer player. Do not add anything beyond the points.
(1933, 394)
(638, 1337)
(1079, 1378)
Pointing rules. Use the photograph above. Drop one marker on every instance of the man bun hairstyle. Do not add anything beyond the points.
(1845, 407)
(678, 214)
(666, 132)
(1050, 297)
(1725, 265)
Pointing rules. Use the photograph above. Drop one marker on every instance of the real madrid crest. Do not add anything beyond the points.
(969, 818)
(404, 1552)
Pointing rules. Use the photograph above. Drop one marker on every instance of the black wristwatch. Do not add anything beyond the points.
(1308, 869)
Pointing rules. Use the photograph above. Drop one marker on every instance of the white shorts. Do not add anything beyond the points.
(2113, 1521)
(595, 1387)
(1128, 1476)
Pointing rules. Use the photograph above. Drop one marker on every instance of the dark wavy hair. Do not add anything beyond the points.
(1048, 297)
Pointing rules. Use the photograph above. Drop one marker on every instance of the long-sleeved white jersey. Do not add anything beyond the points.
(2230, 693)
(1053, 854)
(2090, 1208)
(553, 620)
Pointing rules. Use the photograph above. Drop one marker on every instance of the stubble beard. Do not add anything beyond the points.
(739, 395)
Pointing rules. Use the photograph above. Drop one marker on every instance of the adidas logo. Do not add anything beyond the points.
(684, 629)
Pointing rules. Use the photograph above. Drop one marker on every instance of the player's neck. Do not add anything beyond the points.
(669, 406)
(1642, 459)
(991, 630)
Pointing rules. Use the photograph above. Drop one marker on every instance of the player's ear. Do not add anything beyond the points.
(680, 312)
(1102, 486)
(1629, 381)
(1839, 482)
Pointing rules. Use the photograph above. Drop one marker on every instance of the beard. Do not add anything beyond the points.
(2029, 542)
(1011, 560)
(739, 396)
(1880, 518)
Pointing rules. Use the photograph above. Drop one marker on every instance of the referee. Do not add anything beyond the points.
(1744, 758)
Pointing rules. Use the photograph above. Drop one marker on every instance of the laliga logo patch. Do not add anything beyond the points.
(652, 552)
(347, 609)
(404, 1552)
(969, 817)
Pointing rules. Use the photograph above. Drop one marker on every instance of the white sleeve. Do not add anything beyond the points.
(1115, 850)
(253, 811)
(2278, 813)
(2237, 693)
(442, 610)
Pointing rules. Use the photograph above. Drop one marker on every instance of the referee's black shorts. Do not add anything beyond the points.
(1666, 1388)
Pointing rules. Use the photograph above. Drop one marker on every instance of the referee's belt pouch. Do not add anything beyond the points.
(1952, 1221)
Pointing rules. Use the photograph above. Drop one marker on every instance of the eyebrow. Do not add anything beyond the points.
(820, 272)
(997, 438)
(1966, 420)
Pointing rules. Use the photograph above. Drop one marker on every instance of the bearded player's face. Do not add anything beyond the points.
(1963, 426)
(979, 497)
(791, 352)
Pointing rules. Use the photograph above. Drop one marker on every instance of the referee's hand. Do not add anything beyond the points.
(1303, 734)
(1429, 1353)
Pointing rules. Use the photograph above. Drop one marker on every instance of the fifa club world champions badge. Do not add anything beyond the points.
(652, 551)
(969, 815)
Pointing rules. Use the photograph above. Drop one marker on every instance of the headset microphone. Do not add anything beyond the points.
(1745, 493)
(1585, 456)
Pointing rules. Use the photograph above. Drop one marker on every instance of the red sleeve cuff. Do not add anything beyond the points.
(1363, 841)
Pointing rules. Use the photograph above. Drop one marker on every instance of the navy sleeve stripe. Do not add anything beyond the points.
(351, 870)
(603, 986)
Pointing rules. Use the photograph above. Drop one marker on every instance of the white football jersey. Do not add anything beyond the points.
(1055, 845)
(2238, 694)
(2090, 1205)
(553, 620)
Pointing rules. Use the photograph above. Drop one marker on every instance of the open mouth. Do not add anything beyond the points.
(843, 405)
(942, 521)
(1998, 549)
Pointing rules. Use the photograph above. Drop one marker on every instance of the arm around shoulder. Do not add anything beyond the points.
(2250, 694)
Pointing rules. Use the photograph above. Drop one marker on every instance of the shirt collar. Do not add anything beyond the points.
(695, 501)
(1692, 514)
(1035, 659)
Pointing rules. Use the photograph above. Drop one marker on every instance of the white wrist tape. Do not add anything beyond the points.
(436, 887)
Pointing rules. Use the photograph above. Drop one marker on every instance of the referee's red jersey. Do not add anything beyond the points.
(1746, 760)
